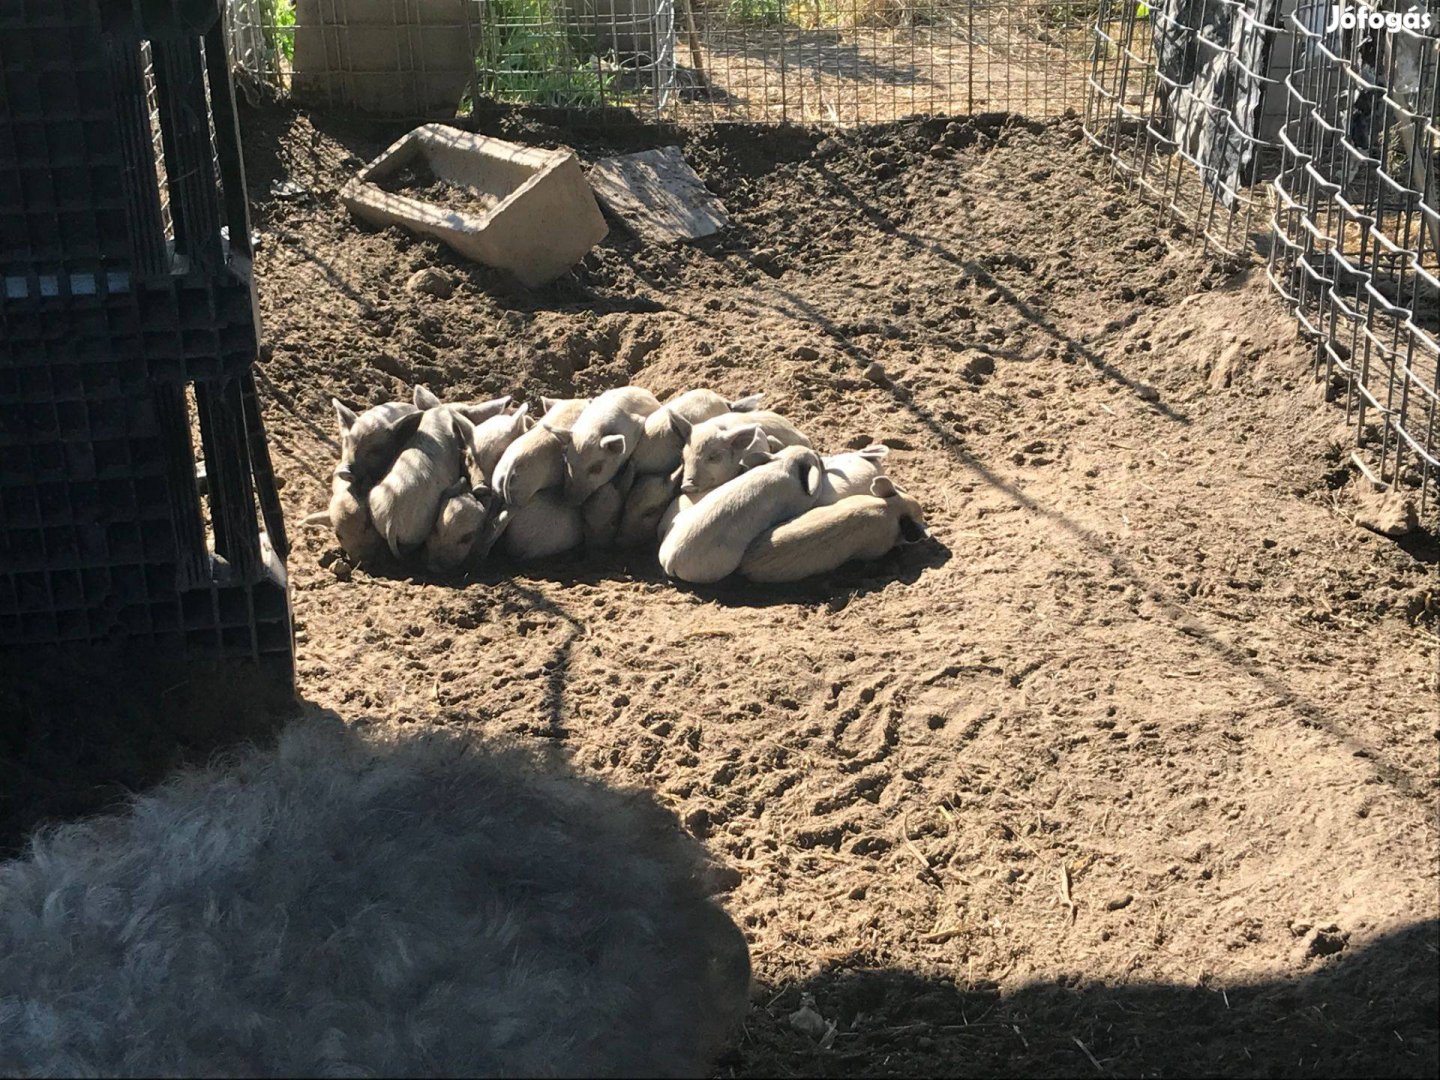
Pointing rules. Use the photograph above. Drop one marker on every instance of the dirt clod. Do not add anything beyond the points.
(430, 282)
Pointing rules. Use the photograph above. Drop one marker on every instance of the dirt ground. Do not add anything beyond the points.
(1148, 661)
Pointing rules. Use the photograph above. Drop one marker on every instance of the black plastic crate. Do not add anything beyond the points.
(124, 289)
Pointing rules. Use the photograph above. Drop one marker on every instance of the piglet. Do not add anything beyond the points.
(404, 505)
(370, 442)
(851, 474)
(707, 541)
(492, 438)
(664, 440)
(601, 512)
(602, 438)
(545, 525)
(646, 504)
(465, 529)
(536, 460)
(713, 450)
(819, 540)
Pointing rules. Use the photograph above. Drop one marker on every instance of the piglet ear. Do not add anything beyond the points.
(344, 416)
(680, 425)
(464, 428)
(613, 444)
(407, 425)
(911, 531)
(744, 437)
(882, 487)
(424, 399)
(810, 478)
(758, 452)
(481, 411)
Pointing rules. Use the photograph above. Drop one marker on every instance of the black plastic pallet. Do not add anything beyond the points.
(125, 295)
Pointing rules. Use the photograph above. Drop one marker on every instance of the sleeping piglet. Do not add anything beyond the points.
(405, 503)
(819, 540)
(713, 449)
(664, 439)
(536, 460)
(707, 541)
(602, 438)
(370, 442)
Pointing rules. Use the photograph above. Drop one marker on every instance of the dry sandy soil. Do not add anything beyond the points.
(1148, 661)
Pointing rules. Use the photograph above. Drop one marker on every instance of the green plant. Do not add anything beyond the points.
(277, 25)
(756, 12)
(528, 54)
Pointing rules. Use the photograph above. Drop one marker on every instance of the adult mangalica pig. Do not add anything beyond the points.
(602, 438)
(370, 442)
(714, 449)
(404, 504)
(707, 541)
(536, 460)
(664, 440)
(819, 540)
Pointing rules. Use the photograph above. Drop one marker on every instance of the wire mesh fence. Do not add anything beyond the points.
(760, 61)
(1291, 127)
(1357, 230)
(1175, 98)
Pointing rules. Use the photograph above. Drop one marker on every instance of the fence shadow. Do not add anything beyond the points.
(1362, 1013)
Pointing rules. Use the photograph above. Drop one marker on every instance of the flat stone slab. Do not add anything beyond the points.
(658, 196)
(541, 219)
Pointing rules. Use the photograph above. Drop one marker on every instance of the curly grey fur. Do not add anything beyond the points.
(344, 906)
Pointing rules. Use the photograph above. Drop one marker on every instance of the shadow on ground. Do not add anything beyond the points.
(1370, 1012)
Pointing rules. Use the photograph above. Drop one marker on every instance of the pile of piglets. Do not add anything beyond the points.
(719, 484)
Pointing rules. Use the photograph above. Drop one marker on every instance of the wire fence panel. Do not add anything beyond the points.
(1176, 99)
(1357, 230)
(1236, 114)
(759, 61)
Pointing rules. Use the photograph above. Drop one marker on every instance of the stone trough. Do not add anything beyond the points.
(544, 219)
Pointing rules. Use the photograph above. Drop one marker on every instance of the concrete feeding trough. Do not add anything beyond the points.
(528, 211)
